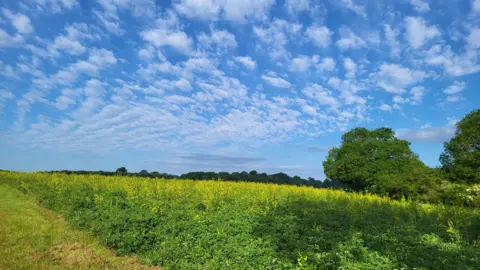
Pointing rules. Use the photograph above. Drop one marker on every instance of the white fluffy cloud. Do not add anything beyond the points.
(109, 16)
(55, 6)
(391, 40)
(417, 93)
(297, 5)
(240, 11)
(276, 81)
(350, 67)
(183, 85)
(310, 110)
(110, 21)
(220, 38)
(319, 35)
(73, 47)
(71, 43)
(300, 64)
(321, 95)
(246, 61)
(399, 99)
(455, 88)
(303, 63)
(394, 78)
(385, 108)
(453, 91)
(348, 91)
(453, 64)
(420, 5)
(419, 32)
(206, 10)
(349, 40)
(276, 35)
(167, 33)
(6, 95)
(98, 59)
(476, 5)
(101, 57)
(147, 53)
(67, 98)
(427, 134)
(237, 11)
(7, 40)
(21, 22)
(473, 39)
(354, 7)
(452, 99)
(327, 64)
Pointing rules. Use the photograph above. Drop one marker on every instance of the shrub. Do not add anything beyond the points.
(460, 194)
(472, 196)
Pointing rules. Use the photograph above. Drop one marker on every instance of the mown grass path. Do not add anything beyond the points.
(32, 237)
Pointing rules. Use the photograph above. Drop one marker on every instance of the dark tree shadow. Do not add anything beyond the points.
(403, 236)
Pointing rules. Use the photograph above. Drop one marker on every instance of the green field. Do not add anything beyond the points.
(182, 224)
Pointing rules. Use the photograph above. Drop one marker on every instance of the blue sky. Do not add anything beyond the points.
(227, 85)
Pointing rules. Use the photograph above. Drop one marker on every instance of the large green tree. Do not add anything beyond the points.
(121, 171)
(377, 161)
(461, 158)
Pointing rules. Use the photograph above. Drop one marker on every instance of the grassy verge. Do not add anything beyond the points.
(32, 237)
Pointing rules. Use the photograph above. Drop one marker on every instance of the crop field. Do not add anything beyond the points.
(184, 224)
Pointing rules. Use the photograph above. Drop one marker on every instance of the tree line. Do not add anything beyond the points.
(252, 176)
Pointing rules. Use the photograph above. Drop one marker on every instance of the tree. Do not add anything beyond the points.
(461, 157)
(121, 171)
(143, 173)
(377, 161)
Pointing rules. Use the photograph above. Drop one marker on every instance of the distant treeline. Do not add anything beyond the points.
(119, 171)
(253, 176)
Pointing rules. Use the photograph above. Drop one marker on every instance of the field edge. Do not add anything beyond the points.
(32, 237)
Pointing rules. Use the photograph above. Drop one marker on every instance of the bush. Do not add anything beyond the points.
(453, 194)
(460, 194)
(472, 196)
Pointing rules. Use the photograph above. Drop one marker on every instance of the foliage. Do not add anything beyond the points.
(121, 171)
(460, 194)
(253, 176)
(378, 162)
(142, 173)
(461, 158)
(472, 196)
(451, 193)
(223, 225)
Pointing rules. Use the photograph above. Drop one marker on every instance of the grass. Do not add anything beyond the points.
(32, 237)
(183, 224)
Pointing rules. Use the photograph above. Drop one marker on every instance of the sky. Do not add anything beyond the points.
(225, 85)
